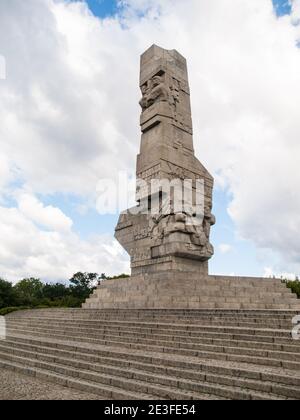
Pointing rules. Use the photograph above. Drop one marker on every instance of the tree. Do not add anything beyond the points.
(55, 291)
(29, 291)
(7, 294)
(82, 284)
(295, 287)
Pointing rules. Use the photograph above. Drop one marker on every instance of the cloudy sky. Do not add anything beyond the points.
(69, 116)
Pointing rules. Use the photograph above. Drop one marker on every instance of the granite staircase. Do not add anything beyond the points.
(158, 354)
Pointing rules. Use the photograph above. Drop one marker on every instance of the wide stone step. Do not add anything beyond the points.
(110, 392)
(219, 320)
(96, 353)
(264, 335)
(189, 279)
(204, 299)
(90, 327)
(126, 360)
(218, 323)
(122, 313)
(253, 349)
(210, 291)
(257, 356)
(134, 388)
(155, 324)
(168, 387)
(170, 318)
(151, 337)
(175, 319)
(173, 327)
(179, 378)
(164, 318)
(242, 329)
(155, 303)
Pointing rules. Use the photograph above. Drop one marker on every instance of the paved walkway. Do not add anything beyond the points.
(14, 386)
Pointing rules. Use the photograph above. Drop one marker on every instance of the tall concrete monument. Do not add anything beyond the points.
(167, 234)
(168, 231)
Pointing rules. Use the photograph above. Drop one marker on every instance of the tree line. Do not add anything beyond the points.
(33, 293)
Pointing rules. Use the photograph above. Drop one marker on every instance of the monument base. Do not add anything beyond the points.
(170, 264)
(192, 290)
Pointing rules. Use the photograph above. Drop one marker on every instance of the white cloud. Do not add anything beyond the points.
(69, 106)
(2, 68)
(27, 250)
(62, 113)
(47, 216)
(225, 248)
(5, 173)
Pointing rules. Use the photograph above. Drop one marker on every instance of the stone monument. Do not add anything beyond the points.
(159, 234)
(167, 234)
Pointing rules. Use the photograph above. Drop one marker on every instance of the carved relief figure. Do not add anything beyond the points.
(197, 230)
(175, 93)
(154, 91)
(143, 101)
(159, 91)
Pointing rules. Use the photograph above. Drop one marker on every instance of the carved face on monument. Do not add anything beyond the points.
(144, 89)
(154, 91)
(143, 101)
(156, 81)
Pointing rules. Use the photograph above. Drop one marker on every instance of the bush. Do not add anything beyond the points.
(120, 277)
(64, 302)
(72, 302)
(6, 311)
(8, 296)
(294, 286)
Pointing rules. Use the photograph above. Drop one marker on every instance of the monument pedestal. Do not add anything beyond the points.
(176, 289)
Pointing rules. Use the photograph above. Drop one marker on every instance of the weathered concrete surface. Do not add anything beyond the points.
(15, 386)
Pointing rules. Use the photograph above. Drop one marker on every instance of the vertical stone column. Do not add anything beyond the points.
(171, 237)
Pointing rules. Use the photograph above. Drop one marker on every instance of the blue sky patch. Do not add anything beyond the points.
(102, 8)
(282, 7)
